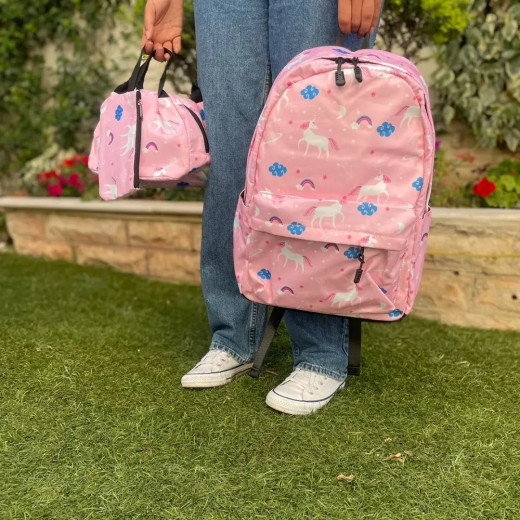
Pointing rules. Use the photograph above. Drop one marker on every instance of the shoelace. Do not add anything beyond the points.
(212, 356)
(311, 381)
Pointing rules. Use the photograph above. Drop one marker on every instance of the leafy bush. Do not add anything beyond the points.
(500, 187)
(414, 24)
(40, 104)
(479, 76)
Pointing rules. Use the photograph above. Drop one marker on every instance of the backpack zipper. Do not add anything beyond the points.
(359, 271)
(340, 75)
(137, 151)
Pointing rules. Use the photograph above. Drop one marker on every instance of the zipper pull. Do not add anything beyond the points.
(357, 70)
(359, 271)
(140, 103)
(340, 75)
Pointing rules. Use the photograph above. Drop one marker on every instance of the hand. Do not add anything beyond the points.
(162, 27)
(358, 16)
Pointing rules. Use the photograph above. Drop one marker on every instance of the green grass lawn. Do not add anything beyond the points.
(95, 425)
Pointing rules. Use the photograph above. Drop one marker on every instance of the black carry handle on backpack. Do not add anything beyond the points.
(275, 318)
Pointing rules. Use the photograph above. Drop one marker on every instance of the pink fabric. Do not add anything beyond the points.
(332, 169)
(172, 146)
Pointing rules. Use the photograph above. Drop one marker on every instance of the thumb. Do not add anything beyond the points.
(149, 20)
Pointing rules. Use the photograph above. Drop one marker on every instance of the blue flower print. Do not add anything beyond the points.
(386, 129)
(395, 313)
(183, 184)
(265, 274)
(295, 228)
(352, 253)
(418, 184)
(367, 209)
(277, 169)
(119, 112)
(309, 92)
(203, 115)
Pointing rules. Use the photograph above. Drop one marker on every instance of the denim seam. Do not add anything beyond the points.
(219, 346)
(345, 340)
(267, 82)
(320, 370)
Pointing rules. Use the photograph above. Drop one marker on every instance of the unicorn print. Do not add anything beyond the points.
(321, 212)
(130, 142)
(350, 297)
(368, 241)
(110, 190)
(168, 127)
(373, 190)
(291, 256)
(411, 113)
(321, 142)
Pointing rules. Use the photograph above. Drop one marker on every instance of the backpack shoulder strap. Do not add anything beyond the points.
(354, 349)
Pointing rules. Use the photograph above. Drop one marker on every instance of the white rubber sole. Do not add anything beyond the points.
(294, 407)
(213, 379)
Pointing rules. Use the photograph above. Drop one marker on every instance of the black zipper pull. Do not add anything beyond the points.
(359, 271)
(340, 75)
(357, 70)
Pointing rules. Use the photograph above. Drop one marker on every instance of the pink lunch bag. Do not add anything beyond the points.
(334, 216)
(148, 138)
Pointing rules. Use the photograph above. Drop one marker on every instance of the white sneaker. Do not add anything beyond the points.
(303, 392)
(216, 368)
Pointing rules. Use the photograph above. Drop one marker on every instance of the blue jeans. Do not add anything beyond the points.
(242, 45)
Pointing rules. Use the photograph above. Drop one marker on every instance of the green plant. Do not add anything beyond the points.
(478, 79)
(500, 187)
(411, 25)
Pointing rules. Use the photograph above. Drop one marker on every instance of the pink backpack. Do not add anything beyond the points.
(148, 139)
(334, 216)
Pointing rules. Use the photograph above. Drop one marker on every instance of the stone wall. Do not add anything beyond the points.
(472, 270)
(471, 275)
(156, 239)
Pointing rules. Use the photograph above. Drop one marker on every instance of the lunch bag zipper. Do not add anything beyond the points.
(137, 152)
(201, 128)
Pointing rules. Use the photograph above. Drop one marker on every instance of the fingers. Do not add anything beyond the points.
(159, 51)
(344, 15)
(357, 9)
(367, 15)
(377, 13)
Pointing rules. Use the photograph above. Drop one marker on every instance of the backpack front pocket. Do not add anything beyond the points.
(323, 262)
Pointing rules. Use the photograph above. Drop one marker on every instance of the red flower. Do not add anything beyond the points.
(73, 179)
(53, 174)
(84, 160)
(484, 188)
(55, 190)
(68, 163)
(62, 180)
(80, 187)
